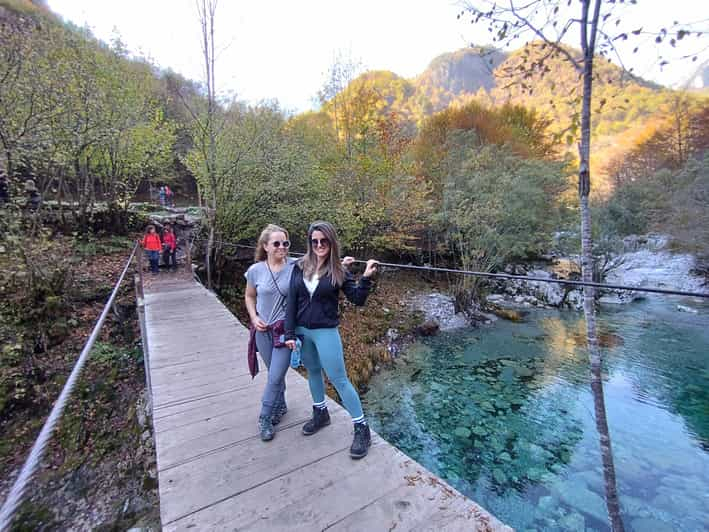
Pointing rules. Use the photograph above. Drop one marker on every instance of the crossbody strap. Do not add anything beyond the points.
(273, 277)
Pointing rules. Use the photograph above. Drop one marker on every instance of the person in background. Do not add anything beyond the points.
(169, 196)
(169, 246)
(152, 246)
(161, 195)
(267, 282)
(312, 313)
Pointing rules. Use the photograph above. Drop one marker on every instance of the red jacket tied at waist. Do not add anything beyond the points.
(277, 329)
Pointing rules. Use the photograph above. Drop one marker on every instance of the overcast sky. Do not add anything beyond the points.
(282, 49)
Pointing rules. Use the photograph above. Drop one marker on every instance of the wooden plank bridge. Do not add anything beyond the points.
(215, 473)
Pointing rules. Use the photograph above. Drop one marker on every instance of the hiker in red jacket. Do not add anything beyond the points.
(169, 245)
(152, 245)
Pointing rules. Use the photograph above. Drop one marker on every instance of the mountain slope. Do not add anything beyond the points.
(493, 77)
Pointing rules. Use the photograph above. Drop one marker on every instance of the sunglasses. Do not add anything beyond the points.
(278, 243)
(323, 242)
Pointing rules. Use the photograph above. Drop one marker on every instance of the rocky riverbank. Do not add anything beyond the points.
(645, 261)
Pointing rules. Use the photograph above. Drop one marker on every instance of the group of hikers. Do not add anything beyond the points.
(153, 244)
(166, 196)
(293, 307)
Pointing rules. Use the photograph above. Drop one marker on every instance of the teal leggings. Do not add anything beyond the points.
(322, 349)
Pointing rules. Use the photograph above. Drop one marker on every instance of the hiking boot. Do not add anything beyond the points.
(265, 427)
(361, 442)
(321, 418)
(279, 411)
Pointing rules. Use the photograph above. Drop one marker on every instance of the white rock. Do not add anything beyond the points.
(684, 308)
(439, 308)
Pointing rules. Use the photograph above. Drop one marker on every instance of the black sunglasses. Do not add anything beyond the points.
(278, 243)
(323, 242)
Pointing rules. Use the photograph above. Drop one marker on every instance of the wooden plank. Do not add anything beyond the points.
(210, 433)
(178, 394)
(293, 501)
(204, 379)
(199, 484)
(167, 376)
(422, 504)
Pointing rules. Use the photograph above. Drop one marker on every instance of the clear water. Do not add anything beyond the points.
(505, 414)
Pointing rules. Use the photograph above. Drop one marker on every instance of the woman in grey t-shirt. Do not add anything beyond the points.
(267, 283)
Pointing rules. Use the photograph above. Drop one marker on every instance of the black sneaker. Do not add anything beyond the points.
(361, 442)
(321, 418)
(265, 427)
(279, 411)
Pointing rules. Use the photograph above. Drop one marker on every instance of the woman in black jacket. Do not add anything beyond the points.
(312, 313)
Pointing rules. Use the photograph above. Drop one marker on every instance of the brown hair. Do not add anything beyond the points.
(260, 253)
(148, 228)
(332, 267)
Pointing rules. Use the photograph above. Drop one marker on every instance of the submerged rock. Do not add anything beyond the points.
(643, 524)
(428, 328)
(462, 432)
(579, 497)
(506, 313)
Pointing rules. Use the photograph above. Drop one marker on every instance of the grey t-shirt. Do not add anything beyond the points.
(270, 303)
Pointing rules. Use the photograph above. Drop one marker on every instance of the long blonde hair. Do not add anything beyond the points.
(332, 267)
(260, 253)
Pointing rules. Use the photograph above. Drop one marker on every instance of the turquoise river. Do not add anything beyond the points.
(505, 414)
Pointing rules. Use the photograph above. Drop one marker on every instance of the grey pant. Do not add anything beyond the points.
(277, 360)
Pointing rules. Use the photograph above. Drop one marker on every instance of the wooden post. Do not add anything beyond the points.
(140, 307)
(141, 254)
(188, 258)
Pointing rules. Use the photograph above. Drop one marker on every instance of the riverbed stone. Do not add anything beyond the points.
(579, 497)
(535, 474)
(573, 522)
(480, 431)
(546, 504)
(634, 507)
(645, 524)
(590, 478)
(463, 432)
(499, 476)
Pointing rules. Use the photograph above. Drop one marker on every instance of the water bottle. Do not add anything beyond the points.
(295, 354)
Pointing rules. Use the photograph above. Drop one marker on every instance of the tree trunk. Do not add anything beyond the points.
(588, 47)
(8, 161)
(208, 254)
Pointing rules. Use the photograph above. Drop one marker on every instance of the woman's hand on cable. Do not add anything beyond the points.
(348, 261)
(290, 344)
(259, 324)
(371, 268)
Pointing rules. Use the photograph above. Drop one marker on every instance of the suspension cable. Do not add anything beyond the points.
(507, 276)
(16, 494)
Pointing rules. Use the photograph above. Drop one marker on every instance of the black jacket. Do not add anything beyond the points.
(321, 310)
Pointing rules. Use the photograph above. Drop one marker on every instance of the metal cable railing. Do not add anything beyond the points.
(652, 290)
(17, 492)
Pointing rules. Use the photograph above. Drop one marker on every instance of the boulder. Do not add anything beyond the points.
(428, 328)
